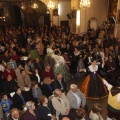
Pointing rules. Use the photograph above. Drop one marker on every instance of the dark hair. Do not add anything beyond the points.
(21, 71)
(18, 64)
(16, 88)
(115, 90)
(47, 64)
(2, 95)
(34, 83)
(80, 113)
(97, 108)
(28, 60)
(57, 52)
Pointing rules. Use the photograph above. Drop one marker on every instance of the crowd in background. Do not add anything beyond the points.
(36, 63)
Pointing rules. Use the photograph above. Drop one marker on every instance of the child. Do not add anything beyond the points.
(6, 104)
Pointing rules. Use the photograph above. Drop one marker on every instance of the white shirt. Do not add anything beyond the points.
(78, 99)
(38, 77)
(14, 119)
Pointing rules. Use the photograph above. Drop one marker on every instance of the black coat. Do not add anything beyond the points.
(44, 111)
(56, 85)
(8, 86)
(46, 90)
(18, 102)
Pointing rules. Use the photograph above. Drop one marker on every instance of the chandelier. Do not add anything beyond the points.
(50, 4)
(84, 3)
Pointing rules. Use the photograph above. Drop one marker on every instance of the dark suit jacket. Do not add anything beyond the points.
(44, 111)
(56, 85)
(18, 102)
(8, 86)
(46, 90)
(39, 66)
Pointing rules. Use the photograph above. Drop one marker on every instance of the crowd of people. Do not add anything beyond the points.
(36, 63)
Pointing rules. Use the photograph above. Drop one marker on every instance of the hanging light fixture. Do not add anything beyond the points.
(85, 3)
(50, 4)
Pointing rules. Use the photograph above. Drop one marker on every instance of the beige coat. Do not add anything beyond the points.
(60, 105)
(1, 112)
(21, 82)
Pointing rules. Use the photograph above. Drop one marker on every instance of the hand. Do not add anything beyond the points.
(41, 83)
(53, 117)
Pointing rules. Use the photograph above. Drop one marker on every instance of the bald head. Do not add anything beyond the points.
(65, 118)
(15, 113)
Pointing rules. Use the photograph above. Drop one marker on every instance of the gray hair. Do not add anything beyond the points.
(73, 86)
(29, 104)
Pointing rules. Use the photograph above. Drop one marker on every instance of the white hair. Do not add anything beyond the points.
(29, 104)
(73, 86)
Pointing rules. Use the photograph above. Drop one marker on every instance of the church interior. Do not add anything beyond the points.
(34, 29)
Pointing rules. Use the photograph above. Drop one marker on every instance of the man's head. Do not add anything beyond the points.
(59, 76)
(22, 71)
(65, 118)
(47, 67)
(57, 93)
(74, 88)
(15, 113)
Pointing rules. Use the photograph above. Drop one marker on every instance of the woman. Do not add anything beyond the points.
(60, 66)
(33, 53)
(19, 98)
(111, 70)
(9, 84)
(31, 113)
(40, 46)
(93, 86)
(95, 113)
(36, 92)
(74, 61)
(45, 111)
(81, 115)
(46, 87)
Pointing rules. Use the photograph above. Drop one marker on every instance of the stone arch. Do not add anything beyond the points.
(93, 23)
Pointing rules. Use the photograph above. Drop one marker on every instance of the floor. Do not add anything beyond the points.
(102, 102)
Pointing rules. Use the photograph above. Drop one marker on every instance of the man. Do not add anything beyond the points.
(14, 114)
(39, 65)
(59, 83)
(9, 71)
(48, 72)
(60, 104)
(113, 106)
(17, 71)
(76, 98)
(24, 81)
(65, 118)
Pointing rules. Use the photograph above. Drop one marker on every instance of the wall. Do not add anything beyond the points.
(65, 7)
(98, 9)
